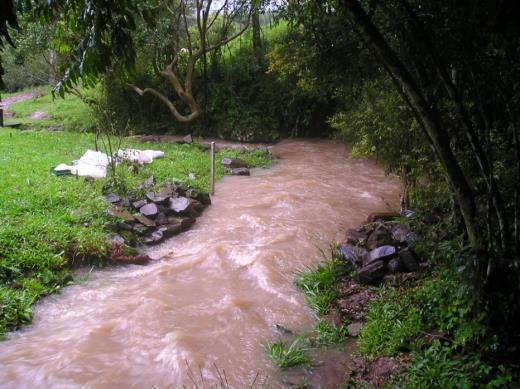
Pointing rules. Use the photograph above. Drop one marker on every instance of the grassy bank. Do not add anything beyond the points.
(49, 223)
(430, 327)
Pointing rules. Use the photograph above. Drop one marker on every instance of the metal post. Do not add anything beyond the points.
(212, 168)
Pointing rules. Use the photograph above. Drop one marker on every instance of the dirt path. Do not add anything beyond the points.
(8, 101)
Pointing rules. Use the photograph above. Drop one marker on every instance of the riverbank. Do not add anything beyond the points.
(50, 224)
(415, 321)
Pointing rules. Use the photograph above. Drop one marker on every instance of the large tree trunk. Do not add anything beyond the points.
(257, 40)
(429, 118)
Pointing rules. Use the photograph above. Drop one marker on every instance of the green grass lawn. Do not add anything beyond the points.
(48, 223)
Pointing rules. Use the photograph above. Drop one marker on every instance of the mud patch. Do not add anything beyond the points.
(377, 372)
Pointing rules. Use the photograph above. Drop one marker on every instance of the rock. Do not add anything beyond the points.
(233, 163)
(180, 205)
(187, 223)
(240, 171)
(121, 213)
(116, 239)
(382, 216)
(400, 278)
(380, 254)
(187, 139)
(401, 233)
(380, 237)
(124, 227)
(145, 221)
(356, 236)
(139, 204)
(148, 183)
(352, 254)
(204, 198)
(153, 237)
(180, 189)
(192, 194)
(354, 329)
(127, 255)
(283, 330)
(113, 198)
(140, 229)
(129, 237)
(149, 210)
(334, 319)
(199, 196)
(169, 230)
(168, 191)
(394, 265)
(196, 208)
(157, 198)
(409, 259)
(372, 273)
(161, 218)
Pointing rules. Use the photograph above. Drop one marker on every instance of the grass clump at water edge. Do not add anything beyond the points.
(286, 356)
(320, 284)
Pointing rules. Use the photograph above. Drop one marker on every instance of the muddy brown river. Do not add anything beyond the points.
(213, 295)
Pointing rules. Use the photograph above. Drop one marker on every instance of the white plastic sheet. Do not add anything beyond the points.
(94, 163)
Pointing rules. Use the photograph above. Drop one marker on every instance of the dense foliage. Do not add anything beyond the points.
(431, 89)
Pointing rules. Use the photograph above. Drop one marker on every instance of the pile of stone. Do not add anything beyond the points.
(235, 166)
(157, 216)
(380, 250)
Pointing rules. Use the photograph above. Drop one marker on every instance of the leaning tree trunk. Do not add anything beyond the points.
(429, 118)
(257, 40)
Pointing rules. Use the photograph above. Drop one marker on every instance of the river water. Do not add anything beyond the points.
(213, 295)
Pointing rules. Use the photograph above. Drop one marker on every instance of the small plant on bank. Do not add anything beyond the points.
(321, 284)
(327, 334)
(285, 356)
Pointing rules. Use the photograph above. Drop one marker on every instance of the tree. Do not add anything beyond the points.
(198, 45)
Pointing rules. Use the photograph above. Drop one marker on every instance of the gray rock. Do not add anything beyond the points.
(401, 233)
(380, 237)
(192, 194)
(157, 198)
(373, 273)
(380, 254)
(117, 240)
(161, 218)
(145, 221)
(180, 189)
(172, 229)
(153, 237)
(149, 210)
(124, 227)
(113, 198)
(139, 204)
(148, 183)
(121, 213)
(240, 171)
(140, 229)
(394, 265)
(409, 259)
(353, 254)
(354, 329)
(356, 236)
(196, 208)
(233, 163)
(180, 205)
(187, 139)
